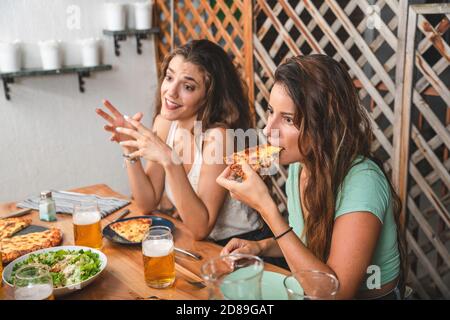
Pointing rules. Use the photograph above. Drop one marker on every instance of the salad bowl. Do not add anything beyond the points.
(72, 267)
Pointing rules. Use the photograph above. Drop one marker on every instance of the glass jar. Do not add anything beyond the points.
(47, 207)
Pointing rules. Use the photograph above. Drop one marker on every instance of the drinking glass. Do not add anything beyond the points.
(86, 225)
(1, 267)
(311, 285)
(234, 277)
(33, 282)
(159, 257)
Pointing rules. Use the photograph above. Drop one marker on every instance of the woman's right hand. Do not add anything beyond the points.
(237, 245)
(115, 120)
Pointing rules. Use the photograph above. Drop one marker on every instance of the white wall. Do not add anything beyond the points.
(50, 136)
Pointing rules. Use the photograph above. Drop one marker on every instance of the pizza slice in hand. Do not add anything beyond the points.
(260, 158)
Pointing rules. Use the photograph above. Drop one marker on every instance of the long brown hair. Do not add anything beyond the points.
(337, 129)
(226, 103)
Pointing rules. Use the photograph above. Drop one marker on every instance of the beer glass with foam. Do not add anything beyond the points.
(86, 225)
(159, 257)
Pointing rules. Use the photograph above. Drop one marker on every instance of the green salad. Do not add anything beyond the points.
(67, 267)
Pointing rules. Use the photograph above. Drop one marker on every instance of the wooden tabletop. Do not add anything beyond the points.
(123, 277)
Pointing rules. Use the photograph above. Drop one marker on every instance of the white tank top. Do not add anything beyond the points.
(235, 217)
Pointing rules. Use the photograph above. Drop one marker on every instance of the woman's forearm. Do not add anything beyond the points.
(296, 253)
(141, 187)
(270, 248)
(190, 207)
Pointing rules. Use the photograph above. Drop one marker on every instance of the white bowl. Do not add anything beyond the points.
(67, 289)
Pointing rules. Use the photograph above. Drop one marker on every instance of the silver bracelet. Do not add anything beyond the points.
(129, 159)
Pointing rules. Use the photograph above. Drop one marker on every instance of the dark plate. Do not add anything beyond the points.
(111, 235)
(30, 229)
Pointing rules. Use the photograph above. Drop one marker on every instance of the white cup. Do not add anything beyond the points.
(143, 15)
(10, 56)
(115, 16)
(90, 56)
(50, 54)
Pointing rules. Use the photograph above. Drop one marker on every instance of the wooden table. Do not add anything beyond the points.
(123, 277)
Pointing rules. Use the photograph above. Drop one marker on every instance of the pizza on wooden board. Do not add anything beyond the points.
(132, 230)
(14, 247)
(10, 226)
(259, 158)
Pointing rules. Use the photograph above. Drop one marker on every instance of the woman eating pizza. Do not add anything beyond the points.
(199, 85)
(343, 211)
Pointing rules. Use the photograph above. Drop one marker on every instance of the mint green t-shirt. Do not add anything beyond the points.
(365, 188)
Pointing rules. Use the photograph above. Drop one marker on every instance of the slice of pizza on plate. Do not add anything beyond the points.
(10, 226)
(132, 230)
(14, 247)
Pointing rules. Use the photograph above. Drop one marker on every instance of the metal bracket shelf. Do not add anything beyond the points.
(122, 36)
(81, 71)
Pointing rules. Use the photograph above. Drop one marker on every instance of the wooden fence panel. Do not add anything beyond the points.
(427, 57)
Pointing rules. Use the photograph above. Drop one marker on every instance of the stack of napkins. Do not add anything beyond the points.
(65, 202)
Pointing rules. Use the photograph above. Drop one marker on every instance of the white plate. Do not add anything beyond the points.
(64, 290)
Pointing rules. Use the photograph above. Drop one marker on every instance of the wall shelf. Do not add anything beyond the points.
(82, 72)
(122, 36)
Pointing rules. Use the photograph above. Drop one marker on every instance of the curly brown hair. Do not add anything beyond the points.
(226, 103)
(331, 118)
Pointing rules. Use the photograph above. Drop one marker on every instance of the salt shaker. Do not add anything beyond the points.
(47, 208)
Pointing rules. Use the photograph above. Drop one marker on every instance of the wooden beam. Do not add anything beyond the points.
(402, 107)
(247, 16)
(431, 8)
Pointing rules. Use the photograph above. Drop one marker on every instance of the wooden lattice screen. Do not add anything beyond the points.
(370, 38)
(424, 119)
(227, 23)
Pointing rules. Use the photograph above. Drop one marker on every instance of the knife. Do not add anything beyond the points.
(17, 213)
(196, 256)
(122, 214)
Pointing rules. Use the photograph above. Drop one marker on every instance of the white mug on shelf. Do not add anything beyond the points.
(115, 16)
(143, 15)
(90, 56)
(50, 54)
(10, 56)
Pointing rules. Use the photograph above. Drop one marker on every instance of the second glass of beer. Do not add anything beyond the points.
(159, 257)
(86, 225)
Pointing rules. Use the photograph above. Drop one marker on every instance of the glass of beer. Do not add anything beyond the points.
(86, 225)
(33, 282)
(159, 257)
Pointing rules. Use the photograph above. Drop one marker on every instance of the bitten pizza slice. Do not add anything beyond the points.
(259, 158)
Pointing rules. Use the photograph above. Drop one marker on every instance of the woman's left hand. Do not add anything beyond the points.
(252, 190)
(149, 146)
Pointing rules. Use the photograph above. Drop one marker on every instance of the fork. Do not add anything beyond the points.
(196, 256)
(190, 277)
(198, 284)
